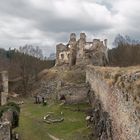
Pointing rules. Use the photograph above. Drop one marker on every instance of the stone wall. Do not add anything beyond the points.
(118, 91)
(74, 93)
(3, 87)
(5, 131)
(5, 125)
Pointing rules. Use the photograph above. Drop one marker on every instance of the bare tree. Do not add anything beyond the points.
(126, 52)
(31, 50)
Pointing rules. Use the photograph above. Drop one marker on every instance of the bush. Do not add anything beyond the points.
(3, 109)
(13, 106)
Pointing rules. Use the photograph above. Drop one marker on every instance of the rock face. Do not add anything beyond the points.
(115, 96)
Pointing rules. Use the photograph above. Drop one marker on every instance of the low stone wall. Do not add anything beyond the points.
(117, 89)
(74, 93)
(5, 131)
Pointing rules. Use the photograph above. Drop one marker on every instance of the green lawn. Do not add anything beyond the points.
(32, 126)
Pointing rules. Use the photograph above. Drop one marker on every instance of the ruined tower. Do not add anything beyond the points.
(73, 49)
(3, 87)
(81, 45)
(83, 37)
(105, 43)
(82, 51)
(60, 49)
(72, 38)
(106, 50)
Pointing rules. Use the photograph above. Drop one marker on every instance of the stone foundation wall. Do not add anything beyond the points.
(74, 93)
(117, 99)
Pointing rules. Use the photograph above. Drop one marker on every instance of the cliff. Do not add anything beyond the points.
(115, 97)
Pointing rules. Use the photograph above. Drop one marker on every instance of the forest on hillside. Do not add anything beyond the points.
(23, 65)
(125, 53)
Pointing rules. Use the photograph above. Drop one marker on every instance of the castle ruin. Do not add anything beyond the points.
(3, 87)
(82, 52)
(5, 127)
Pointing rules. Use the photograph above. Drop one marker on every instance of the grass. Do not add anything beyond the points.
(32, 126)
(74, 77)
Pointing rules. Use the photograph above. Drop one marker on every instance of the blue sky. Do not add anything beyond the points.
(48, 22)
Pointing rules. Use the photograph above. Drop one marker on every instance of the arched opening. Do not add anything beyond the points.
(68, 56)
(62, 97)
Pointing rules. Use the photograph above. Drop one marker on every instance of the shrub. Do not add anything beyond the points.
(13, 106)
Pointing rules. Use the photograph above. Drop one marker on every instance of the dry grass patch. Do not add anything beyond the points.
(74, 77)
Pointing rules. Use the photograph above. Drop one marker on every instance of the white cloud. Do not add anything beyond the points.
(15, 27)
(46, 22)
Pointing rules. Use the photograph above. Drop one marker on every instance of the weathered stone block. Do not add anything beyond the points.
(5, 131)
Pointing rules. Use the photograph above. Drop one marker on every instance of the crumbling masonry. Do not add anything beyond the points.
(3, 87)
(5, 126)
(81, 51)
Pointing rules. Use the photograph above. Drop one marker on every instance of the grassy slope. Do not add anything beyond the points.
(32, 126)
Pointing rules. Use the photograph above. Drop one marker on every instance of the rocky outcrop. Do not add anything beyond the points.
(115, 100)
